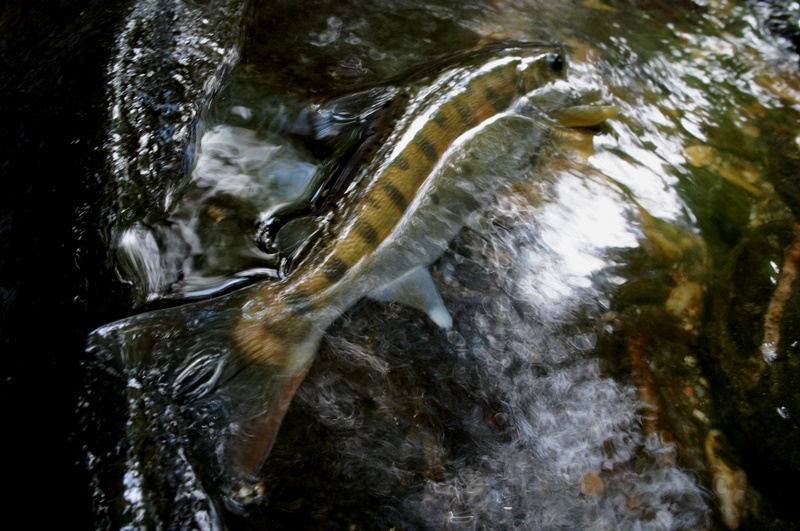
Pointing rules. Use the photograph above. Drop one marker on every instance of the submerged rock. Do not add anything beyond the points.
(603, 368)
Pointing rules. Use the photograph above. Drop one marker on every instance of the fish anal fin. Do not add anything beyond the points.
(417, 290)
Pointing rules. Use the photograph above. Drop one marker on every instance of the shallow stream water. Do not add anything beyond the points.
(598, 373)
(626, 314)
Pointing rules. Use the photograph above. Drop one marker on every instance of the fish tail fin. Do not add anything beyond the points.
(276, 354)
(249, 444)
(230, 390)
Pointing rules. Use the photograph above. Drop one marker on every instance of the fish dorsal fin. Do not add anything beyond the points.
(417, 290)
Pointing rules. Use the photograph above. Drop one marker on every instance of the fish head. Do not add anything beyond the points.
(545, 89)
(540, 70)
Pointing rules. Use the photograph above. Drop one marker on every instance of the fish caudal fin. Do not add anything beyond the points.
(249, 444)
(227, 402)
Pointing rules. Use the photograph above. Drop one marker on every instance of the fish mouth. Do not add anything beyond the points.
(583, 115)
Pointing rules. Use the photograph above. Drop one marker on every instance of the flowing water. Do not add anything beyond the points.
(626, 314)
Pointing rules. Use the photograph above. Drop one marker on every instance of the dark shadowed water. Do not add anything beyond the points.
(626, 307)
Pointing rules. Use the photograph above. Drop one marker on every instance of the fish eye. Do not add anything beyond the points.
(555, 62)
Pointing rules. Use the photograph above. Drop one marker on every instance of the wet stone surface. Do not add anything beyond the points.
(603, 368)
(626, 309)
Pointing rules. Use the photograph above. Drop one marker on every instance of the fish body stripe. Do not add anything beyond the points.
(334, 268)
(492, 95)
(400, 162)
(395, 196)
(367, 231)
(440, 119)
(298, 301)
(463, 111)
(400, 181)
(426, 147)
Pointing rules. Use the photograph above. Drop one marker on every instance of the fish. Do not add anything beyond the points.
(239, 359)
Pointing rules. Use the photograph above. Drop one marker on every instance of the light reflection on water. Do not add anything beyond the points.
(580, 223)
(522, 416)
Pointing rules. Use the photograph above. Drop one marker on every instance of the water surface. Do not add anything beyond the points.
(625, 315)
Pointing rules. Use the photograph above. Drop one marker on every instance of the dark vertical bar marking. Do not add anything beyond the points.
(464, 112)
(491, 95)
(334, 269)
(400, 162)
(440, 119)
(298, 302)
(367, 232)
(395, 196)
(427, 148)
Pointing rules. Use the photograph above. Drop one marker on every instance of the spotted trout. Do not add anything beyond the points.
(234, 363)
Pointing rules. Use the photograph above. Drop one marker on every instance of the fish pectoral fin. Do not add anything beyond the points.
(295, 233)
(417, 290)
(584, 115)
(335, 118)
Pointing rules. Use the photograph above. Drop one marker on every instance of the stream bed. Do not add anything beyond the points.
(625, 309)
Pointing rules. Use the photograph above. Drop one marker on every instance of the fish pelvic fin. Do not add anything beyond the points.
(417, 290)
